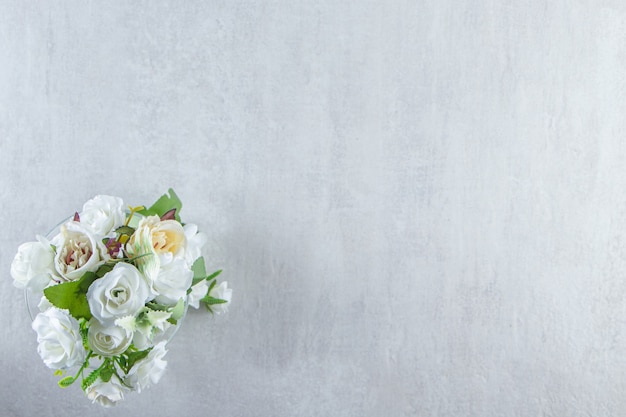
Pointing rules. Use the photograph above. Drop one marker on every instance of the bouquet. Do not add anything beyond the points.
(113, 286)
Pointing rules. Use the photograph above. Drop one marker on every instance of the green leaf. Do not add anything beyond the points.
(178, 310)
(90, 379)
(199, 270)
(164, 204)
(85, 281)
(104, 269)
(72, 296)
(133, 357)
(66, 382)
(106, 373)
(210, 300)
(200, 274)
(211, 286)
(214, 275)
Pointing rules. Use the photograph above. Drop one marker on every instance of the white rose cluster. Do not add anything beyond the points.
(111, 283)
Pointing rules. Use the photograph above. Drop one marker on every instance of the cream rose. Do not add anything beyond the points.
(78, 251)
(108, 340)
(122, 291)
(103, 214)
(60, 342)
(155, 238)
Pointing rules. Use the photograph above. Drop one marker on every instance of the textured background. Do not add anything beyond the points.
(420, 205)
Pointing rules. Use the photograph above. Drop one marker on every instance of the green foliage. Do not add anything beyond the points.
(72, 295)
(66, 382)
(103, 270)
(91, 378)
(83, 331)
(164, 204)
(106, 370)
(210, 300)
(199, 270)
(177, 312)
(214, 275)
(134, 357)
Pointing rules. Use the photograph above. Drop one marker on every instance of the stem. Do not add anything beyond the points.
(133, 210)
(85, 364)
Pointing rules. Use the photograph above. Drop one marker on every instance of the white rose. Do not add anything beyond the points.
(78, 251)
(103, 214)
(173, 281)
(121, 292)
(197, 293)
(222, 292)
(60, 342)
(106, 394)
(33, 265)
(195, 242)
(108, 340)
(156, 238)
(149, 370)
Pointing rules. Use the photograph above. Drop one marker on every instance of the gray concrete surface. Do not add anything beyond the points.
(420, 205)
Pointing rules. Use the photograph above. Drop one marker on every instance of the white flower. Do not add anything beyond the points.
(173, 281)
(197, 293)
(108, 340)
(120, 292)
(195, 242)
(154, 238)
(222, 292)
(60, 342)
(103, 214)
(33, 265)
(148, 370)
(106, 394)
(78, 251)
